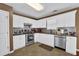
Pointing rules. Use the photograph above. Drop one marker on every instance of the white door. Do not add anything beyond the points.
(71, 45)
(4, 45)
(4, 32)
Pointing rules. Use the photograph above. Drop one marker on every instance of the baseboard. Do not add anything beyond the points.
(8, 53)
(11, 51)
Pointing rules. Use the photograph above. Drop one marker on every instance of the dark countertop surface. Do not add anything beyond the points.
(44, 33)
(21, 34)
(59, 35)
(17, 34)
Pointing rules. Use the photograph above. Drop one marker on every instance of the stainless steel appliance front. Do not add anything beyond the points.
(60, 41)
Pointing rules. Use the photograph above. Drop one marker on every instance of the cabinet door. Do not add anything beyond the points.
(18, 41)
(49, 40)
(41, 23)
(20, 23)
(37, 37)
(70, 19)
(22, 41)
(51, 23)
(60, 20)
(66, 19)
(44, 39)
(17, 21)
(71, 45)
(35, 24)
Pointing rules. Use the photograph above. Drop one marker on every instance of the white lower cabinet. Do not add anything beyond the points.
(18, 41)
(71, 45)
(44, 39)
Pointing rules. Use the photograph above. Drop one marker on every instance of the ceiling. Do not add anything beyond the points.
(49, 9)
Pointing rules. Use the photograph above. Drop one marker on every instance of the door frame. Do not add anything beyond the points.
(10, 10)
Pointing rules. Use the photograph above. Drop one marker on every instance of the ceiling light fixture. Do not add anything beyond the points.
(36, 6)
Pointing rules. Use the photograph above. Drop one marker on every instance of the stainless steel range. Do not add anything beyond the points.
(29, 36)
(29, 39)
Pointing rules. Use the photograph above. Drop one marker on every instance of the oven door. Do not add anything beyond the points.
(30, 37)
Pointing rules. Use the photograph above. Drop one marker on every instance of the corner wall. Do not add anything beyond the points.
(77, 29)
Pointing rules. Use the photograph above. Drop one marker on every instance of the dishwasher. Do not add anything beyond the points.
(60, 42)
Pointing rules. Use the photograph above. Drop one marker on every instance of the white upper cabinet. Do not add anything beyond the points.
(35, 24)
(28, 20)
(66, 19)
(17, 21)
(70, 19)
(61, 20)
(39, 24)
(51, 23)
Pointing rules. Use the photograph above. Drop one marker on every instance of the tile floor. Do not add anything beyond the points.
(36, 50)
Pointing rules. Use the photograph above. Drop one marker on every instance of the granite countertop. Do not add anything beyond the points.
(64, 35)
(21, 34)
(45, 33)
(59, 35)
(17, 34)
